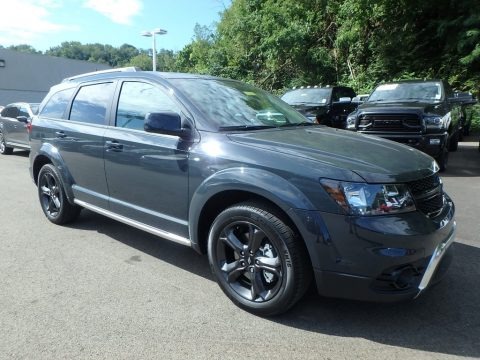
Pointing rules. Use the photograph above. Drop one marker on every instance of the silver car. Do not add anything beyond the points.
(14, 122)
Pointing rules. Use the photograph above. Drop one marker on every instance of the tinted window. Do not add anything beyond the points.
(339, 93)
(307, 96)
(10, 111)
(57, 104)
(91, 103)
(137, 99)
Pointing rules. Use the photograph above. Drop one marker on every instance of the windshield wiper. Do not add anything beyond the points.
(303, 123)
(244, 127)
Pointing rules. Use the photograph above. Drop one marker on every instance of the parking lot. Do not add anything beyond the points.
(100, 289)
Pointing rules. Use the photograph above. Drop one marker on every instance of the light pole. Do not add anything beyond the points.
(154, 51)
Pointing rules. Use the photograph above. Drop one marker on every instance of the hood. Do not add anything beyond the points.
(399, 106)
(374, 159)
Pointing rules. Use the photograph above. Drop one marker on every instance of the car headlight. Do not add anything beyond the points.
(435, 121)
(351, 119)
(370, 199)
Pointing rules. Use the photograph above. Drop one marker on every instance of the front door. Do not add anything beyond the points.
(147, 174)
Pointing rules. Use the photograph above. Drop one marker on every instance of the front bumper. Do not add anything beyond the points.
(431, 144)
(379, 258)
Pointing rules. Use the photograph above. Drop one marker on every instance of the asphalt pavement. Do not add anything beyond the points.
(98, 289)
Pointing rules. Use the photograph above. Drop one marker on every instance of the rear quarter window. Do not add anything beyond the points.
(57, 104)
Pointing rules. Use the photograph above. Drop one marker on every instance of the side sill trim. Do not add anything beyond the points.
(150, 229)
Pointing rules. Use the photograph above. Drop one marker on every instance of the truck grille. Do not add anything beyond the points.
(397, 122)
(428, 194)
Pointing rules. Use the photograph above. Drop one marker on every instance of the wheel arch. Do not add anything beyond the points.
(48, 154)
(240, 185)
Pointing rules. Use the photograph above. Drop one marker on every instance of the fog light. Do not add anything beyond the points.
(434, 141)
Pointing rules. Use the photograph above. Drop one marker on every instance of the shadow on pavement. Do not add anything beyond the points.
(445, 320)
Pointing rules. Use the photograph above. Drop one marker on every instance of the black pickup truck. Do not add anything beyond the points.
(323, 105)
(424, 114)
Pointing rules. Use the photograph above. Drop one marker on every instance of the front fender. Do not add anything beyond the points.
(53, 155)
(267, 185)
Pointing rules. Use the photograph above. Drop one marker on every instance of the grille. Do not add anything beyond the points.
(425, 184)
(400, 122)
(428, 194)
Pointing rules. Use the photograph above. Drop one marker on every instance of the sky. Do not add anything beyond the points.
(47, 23)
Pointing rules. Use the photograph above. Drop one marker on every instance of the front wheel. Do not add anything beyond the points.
(52, 197)
(258, 261)
(4, 149)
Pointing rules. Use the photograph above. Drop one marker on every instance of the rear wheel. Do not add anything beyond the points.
(52, 197)
(4, 149)
(258, 261)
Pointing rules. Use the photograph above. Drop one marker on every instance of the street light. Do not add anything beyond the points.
(154, 51)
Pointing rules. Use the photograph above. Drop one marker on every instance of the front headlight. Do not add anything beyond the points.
(370, 199)
(435, 121)
(351, 119)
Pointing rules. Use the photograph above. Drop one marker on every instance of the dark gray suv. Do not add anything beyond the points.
(236, 173)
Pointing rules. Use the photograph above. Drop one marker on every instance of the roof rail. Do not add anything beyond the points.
(124, 69)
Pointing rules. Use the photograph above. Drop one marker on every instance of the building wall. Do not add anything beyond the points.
(28, 77)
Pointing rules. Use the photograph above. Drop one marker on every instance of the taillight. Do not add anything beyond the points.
(29, 127)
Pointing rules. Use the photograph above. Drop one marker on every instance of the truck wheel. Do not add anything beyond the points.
(258, 261)
(453, 144)
(52, 197)
(4, 149)
(442, 160)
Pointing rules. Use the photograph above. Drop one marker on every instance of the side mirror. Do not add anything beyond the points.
(23, 119)
(168, 123)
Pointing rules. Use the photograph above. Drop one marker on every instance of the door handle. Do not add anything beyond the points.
(113, 145)
(60, 134)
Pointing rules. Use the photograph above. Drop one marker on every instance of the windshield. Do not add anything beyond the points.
(230, 104)
(307, 96)
(430, 91)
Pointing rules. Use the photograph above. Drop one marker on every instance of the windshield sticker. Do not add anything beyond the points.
(387, 87)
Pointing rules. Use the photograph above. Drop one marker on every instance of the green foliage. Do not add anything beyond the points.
(278, 44)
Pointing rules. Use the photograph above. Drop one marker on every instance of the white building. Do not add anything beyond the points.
(28, 77)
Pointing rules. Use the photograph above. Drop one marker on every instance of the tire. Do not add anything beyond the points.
(53, 199)
(4, 149)
(442, 160)
(453, 143)
(258, 261)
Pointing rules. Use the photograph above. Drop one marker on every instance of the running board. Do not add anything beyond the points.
(150, 229)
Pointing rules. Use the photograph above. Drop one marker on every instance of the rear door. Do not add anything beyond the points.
(147, 174)
(77, 134)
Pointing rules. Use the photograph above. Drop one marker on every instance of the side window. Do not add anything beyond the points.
(91, 103)
(23, 111)
(136, 100)
(10, 111)
(57, 104)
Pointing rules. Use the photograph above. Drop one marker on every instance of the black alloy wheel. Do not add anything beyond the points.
(4, 149)
(258, 261)
(52, 197)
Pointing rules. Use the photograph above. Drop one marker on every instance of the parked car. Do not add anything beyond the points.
(236, 173)
(323, 105)
(424, 114)
(14, 121)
